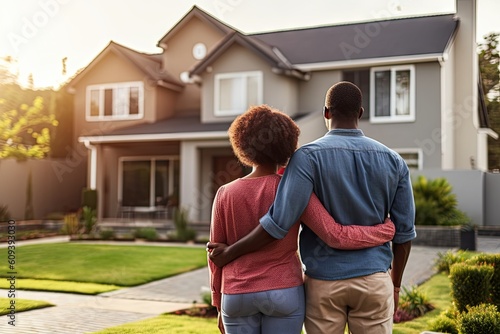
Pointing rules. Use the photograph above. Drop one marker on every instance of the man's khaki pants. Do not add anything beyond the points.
(365, 303)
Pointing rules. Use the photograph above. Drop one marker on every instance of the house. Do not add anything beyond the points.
(155, 124)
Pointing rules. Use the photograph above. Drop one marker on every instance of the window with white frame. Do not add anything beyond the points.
(412, 157)
(118, 101)
(392, 97)
(235, 92)
(148, 182)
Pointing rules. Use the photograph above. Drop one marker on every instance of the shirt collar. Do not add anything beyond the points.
(346, 132)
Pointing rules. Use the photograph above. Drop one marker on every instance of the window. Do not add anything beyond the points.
(115, 101)
(235, 92)
(148, 182)
(413, 157)
(392, 94)
(361, 78)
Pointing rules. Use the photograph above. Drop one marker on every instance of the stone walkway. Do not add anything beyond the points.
(75, 314)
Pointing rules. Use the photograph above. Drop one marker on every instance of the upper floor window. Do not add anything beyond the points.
(118, 101)
(392, 96)
(361, 78)
(235, 92)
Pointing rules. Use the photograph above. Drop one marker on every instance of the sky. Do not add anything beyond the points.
(38, 34)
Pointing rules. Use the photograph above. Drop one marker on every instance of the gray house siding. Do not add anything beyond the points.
(312, 92)
(279, 91)
(424, 132)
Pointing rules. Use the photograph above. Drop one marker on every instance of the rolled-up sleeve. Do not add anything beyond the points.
(403, 209)
(292, 196)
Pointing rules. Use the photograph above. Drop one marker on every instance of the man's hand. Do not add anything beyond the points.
(221, 254)
(217, 253)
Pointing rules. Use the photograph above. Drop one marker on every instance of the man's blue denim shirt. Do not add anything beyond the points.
(359, 181)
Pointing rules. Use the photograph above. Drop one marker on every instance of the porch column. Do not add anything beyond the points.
(95, 178)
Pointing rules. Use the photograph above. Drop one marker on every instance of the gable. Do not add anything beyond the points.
(110, 68)
(148, 65)
(178, 56)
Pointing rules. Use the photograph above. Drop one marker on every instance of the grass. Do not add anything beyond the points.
(112, 265)
(437, 289)
(21, 305)
(59, 286)
(167, 323)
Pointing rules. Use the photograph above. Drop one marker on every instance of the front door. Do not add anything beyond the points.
(226, 168)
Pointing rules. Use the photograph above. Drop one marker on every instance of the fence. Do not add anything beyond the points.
(478, 193)
(56, 186)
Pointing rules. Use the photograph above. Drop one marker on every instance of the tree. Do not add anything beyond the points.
(25, 133)
(489, 61)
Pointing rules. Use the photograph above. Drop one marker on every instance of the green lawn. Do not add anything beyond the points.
(167, 323)
(21, 305)
(437, 288)
(113, 265)
(60, 286)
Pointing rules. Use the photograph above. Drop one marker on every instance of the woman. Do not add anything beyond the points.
(262, 292)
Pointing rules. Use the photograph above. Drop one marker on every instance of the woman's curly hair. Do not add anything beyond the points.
(263, 135)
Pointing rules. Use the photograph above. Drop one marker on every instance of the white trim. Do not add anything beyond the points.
(93, 164)
(488, 132)
(369, 62)
(154, 137)
(113, 86)
(244, 94)
(392, 118)
(418, 151)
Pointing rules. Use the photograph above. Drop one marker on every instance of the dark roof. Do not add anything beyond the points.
(172, 125)
(178, 124)
(266, 52)
(389, 38)
(150, 64)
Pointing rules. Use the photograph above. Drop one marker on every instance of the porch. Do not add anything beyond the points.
(125, 227)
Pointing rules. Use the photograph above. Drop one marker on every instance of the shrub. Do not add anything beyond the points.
(414, 302)
(480, 319)
(445, 260)
(147, 233)
(89, 219)
(107, 234)
(4, 213)
(435, 204)
(182, 230)
(71, 224)
(444, 324)
(470, 284)
(493, 260)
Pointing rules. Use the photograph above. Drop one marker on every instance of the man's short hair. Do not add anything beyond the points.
(344, 99)
(263, 135)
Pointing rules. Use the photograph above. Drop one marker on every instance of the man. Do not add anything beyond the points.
(358, 180)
